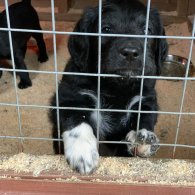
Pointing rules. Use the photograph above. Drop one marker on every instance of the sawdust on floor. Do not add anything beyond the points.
(120, 170)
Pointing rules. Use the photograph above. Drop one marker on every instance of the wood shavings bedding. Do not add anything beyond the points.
(118, 170)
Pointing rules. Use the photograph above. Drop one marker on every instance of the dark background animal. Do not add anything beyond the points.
(119, 55)
(22, 16)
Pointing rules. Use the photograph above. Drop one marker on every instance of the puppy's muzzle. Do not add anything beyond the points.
(129, 53)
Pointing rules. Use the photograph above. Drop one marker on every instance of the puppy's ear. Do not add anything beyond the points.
(161, 51)
(79, 45)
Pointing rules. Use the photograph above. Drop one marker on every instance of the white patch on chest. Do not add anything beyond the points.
(133, 101)
(104, 119)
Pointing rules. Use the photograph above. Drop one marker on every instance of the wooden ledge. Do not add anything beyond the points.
(23, 173)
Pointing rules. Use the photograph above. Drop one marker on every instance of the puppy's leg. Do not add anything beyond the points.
(146, 141)
(41, 45)
(24, 76)
(80, 148)
(24, 48)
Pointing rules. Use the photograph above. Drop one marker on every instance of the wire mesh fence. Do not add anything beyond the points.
(99, 75)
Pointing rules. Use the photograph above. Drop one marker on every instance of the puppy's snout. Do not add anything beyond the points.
(129, 53)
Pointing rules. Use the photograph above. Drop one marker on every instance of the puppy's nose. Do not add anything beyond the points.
(130, 53)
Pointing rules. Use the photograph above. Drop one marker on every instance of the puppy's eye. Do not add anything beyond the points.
(106, 29)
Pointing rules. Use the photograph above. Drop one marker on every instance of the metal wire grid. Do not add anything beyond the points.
(99, 75)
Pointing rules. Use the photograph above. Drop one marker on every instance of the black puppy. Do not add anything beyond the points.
(122, 56)
(22, 16)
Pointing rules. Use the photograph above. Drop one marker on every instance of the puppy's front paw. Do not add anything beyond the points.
(23, 84)
(147, 143)
(80, 146)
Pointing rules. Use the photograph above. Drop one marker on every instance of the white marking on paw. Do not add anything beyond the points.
(145, 142)
(131, 138)
(80, 146)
